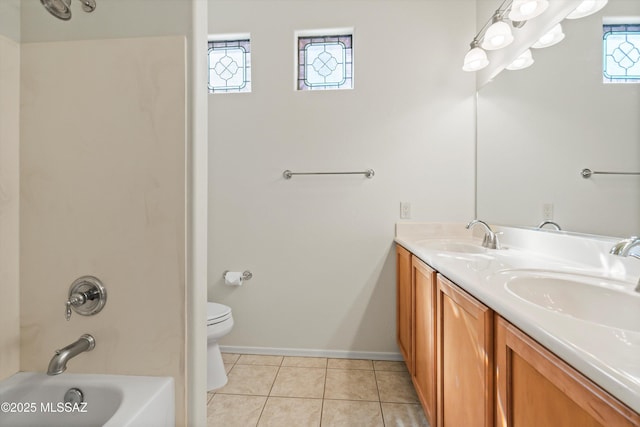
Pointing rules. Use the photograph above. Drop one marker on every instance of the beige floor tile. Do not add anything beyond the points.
(227, 367)
(389, 365)
(210, 395)
(396, 387)
(234, 411)
(305, 362)
(348, 413)
(402, 415)
(349, 364)
(285, 412)
(250, 379)
(299, 382)
(230, 357)
(259, 359)
(351, 385)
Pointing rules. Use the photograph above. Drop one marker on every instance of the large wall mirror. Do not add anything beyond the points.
(538, 128)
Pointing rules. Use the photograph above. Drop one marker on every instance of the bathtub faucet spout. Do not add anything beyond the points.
(58, 363)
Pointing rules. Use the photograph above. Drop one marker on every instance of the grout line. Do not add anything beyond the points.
(324, 389)
(375, 376)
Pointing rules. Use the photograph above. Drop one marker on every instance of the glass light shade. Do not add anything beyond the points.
(586, 8)
(475, 59)
(523, 61)
(498, 35)
(554, 36)
(523, 10)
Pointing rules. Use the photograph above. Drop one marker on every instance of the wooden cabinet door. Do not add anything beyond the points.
(536, 388)
(424, 337)
(464, 358)
(404, 304)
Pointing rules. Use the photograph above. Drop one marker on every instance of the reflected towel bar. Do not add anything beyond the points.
(586, 173)
(369, 173)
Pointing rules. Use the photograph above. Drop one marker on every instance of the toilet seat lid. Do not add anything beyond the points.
(216, 311)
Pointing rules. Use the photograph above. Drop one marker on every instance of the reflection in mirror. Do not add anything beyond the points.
(539, 128)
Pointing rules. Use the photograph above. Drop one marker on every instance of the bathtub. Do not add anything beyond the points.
(36, 399)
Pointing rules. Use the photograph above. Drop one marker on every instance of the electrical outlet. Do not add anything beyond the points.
(547, 211)
(405, 210)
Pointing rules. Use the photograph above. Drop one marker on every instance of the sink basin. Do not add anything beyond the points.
(595, 299)
(453, 246)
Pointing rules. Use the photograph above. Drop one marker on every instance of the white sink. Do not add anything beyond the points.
(453, 246)
(595, 299)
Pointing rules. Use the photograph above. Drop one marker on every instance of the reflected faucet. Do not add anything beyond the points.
(624, 247)
(58, 363)
(551, 223)
(490, 240)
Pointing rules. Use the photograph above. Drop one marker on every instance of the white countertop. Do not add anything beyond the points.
(610, 357)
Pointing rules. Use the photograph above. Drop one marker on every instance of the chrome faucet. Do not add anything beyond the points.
(551, 223)
(490, 240)
(58, 363)
(624, 247)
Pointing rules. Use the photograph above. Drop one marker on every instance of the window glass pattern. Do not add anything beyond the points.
(325, 62)
(621, 53)
(229, 66)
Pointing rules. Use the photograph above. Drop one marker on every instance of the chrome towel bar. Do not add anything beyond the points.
(586, 173)
(369, 173)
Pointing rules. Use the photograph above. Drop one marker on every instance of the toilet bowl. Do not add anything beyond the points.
(219, 324)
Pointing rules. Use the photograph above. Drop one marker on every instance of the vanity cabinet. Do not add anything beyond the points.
(470, 367)
(536, 388)
(464, 345)
(424, 337)
(404, 305)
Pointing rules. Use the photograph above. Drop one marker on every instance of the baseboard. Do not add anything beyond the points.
(338, 354)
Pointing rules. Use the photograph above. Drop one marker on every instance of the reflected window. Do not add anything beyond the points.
(621, 53)
(325, 62)
(229, 66)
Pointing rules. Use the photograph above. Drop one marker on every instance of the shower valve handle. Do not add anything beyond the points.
(87, 296)
(74, 300)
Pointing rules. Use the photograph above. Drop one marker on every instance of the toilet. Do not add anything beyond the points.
(219, 324)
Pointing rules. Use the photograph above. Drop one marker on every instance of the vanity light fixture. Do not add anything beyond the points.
(523, 61)
(553, 36)
(523, 10)
(586, 8)
(475, 59)
(499, 34)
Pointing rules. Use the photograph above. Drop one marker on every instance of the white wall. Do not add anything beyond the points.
(9, 206)
(103, 190)
(539, 127)
(10, 19)
(110, 19)
(321, 248)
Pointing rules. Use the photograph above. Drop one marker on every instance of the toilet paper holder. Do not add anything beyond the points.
(246, 275)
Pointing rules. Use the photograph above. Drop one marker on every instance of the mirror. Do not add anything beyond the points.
(538, 128)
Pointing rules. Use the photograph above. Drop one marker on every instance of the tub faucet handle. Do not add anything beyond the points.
(87, 296)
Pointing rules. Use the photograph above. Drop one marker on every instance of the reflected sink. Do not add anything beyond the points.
(595, 299)
(453, 246)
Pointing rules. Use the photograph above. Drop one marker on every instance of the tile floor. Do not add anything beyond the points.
(283, 391)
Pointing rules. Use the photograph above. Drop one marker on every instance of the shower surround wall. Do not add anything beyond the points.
(9, 206)
(103, 192)
(320, 247)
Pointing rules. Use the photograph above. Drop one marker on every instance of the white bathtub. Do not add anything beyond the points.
(36, 399)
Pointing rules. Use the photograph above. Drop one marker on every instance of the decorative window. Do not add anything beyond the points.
(325, 62)
(229, 66)
(621, 53)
